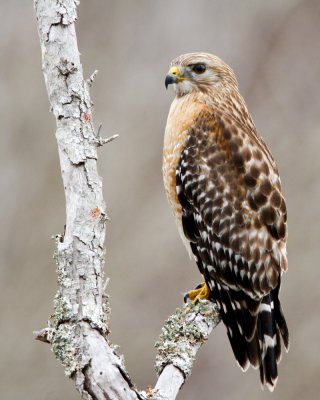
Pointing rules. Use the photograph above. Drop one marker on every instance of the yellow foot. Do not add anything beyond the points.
(201, 292)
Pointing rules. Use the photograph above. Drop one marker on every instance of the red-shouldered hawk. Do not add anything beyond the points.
(224, 190)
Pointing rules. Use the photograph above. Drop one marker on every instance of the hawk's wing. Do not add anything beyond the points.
(232, 206)
(234, 215)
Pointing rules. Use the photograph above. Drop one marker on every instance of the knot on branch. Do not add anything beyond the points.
(66, 67)
(45, 335)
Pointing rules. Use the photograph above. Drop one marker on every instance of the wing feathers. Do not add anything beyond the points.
(234, 216)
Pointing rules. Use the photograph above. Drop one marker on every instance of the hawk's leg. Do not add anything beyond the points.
(200, 292)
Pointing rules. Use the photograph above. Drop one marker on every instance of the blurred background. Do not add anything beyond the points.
(274, 48)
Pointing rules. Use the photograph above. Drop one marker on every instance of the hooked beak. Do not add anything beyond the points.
(169, 80)
(173, 76)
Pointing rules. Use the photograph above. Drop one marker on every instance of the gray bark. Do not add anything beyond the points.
(78, 328)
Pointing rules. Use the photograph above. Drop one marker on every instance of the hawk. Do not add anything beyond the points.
(224, 190)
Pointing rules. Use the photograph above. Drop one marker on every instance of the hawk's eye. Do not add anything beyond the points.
(199, 68)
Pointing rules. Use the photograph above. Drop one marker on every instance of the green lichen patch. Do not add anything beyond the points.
(63, 310)
(182, 335)
(65, 349)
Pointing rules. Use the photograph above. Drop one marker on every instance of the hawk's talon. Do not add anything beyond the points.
(186, 298)
(201, 292)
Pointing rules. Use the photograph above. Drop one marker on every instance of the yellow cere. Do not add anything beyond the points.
(174, 71)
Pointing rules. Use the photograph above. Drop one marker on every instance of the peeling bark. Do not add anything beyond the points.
(78, 328)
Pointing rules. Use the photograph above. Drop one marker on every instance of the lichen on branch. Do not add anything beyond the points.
(183, 333)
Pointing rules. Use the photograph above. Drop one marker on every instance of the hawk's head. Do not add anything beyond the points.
(199, 72)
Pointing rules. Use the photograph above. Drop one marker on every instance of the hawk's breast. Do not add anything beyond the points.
(181, 118)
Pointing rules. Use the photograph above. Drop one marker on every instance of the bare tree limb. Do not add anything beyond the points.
(78, 328)
(79, 321)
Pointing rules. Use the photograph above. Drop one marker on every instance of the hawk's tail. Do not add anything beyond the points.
(254, 330)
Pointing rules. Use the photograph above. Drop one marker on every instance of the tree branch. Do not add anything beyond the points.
(78, 328)
(182, 336)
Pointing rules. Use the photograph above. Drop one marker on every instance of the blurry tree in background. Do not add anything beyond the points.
(274, 49)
